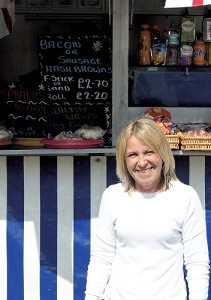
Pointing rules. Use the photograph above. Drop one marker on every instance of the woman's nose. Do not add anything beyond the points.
(142, 161)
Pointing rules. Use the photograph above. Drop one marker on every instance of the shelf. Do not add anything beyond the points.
(81, 152)
(171, 68)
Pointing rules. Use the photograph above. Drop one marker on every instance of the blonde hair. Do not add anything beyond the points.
(151, 134)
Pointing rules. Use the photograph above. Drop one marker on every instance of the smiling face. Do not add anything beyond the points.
(143, 164)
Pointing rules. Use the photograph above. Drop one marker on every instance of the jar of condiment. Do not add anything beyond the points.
(186, 54)
(172, 56)
(199, 53)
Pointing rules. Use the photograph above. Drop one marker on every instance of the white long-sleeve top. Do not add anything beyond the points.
(143, 242)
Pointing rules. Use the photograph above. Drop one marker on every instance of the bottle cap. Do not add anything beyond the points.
(156, 27)
(145, 26)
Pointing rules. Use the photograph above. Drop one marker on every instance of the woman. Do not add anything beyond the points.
(151, 241)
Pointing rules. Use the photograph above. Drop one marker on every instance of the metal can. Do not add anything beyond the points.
(199, 53)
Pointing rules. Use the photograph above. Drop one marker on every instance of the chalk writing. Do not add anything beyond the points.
(76, 77)
(24, 95)
(28, 114)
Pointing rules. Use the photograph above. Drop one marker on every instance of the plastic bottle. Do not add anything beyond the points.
(173, 45)
(165, 34)
(199, 53)
(156, 35)
(144, 52)
(172, 56)
(174, 35)
(158, 47)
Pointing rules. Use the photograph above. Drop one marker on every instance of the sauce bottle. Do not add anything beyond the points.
(158, 47)
(144, 52)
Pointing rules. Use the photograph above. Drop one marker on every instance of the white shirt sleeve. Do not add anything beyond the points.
(196, 250)
(91, 297)
(103, 253)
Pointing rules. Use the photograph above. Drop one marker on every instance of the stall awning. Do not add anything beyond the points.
(186, 3)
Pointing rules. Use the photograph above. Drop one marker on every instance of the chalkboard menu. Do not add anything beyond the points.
(76, 78)
(26, 111)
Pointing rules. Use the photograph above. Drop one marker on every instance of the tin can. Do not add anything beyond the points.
(199, 53)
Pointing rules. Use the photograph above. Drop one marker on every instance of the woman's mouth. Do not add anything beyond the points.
(143, 171)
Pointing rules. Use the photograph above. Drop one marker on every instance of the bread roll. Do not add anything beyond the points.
(90, 133)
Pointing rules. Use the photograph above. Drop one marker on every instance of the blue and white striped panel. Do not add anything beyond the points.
(48, 214)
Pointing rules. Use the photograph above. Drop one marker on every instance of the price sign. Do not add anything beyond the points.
(76, 72)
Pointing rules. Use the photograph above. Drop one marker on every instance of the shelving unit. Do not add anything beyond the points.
(125, 38)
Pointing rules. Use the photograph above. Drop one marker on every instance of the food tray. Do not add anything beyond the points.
(28, 142)
(196, 143)
(72, 144)
(173, 140)
(5, 143)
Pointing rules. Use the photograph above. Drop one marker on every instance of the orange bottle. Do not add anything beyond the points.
(144, 53)
(199, 53)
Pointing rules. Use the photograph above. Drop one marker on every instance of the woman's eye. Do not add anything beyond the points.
(132, 155)
(149, 152)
